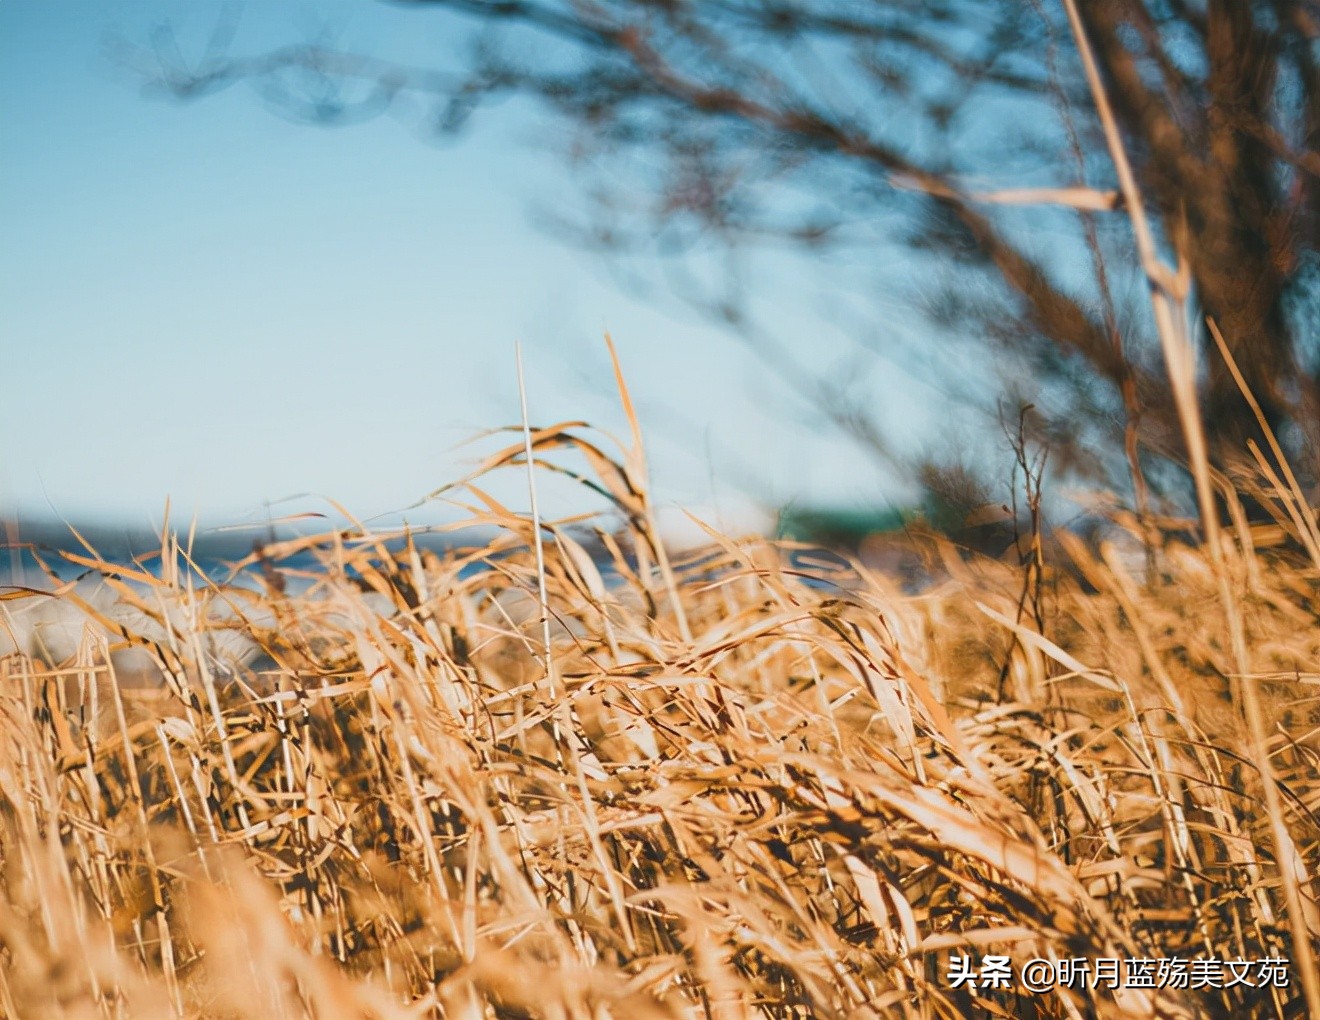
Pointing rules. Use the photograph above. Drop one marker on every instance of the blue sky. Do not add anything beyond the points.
(206, 302)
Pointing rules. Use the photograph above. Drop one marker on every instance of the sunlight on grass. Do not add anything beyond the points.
(753, 792)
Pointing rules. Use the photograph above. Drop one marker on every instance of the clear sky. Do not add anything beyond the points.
(207, 302)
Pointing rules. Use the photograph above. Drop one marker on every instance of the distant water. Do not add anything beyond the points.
(216, 554)
(44, 549)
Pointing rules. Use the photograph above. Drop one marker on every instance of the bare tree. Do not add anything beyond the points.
(960, 128)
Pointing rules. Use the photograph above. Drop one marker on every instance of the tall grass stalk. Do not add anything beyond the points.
(803, 802)
(1168, 294)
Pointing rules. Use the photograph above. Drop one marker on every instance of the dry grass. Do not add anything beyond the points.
(723, 790)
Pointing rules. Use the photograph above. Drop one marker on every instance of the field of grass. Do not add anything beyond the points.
(733, 785)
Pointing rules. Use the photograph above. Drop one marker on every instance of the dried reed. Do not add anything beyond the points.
(526, 780)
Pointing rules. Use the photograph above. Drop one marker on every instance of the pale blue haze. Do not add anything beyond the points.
(206, 302)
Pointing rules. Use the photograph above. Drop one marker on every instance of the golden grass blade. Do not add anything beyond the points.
(715, 821)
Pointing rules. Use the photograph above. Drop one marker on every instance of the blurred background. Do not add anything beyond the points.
(861, 260)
